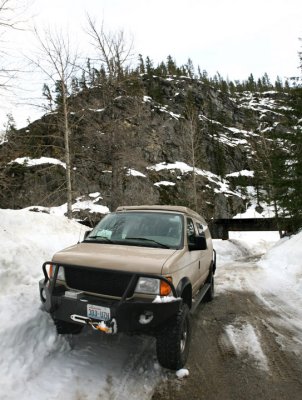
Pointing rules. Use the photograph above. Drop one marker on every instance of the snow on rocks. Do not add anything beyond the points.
(164, 183)
(31, 162)
(81, 203)
(244, 172)
(133, 172)
(221, 185)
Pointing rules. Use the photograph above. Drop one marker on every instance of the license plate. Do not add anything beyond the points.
(98, 312)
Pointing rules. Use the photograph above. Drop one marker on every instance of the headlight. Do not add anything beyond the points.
(148, 285)
(61, 273)
(153, 286)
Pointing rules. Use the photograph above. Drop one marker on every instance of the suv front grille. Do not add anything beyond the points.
(108, 283)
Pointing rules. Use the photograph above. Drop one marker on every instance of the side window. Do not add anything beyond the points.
(200, 228)
(190, 231)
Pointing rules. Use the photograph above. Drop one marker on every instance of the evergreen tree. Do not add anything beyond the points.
(59, 92)
(161, 69)
(251, 85)
(266, 82)
(171, 66)
(278, 84)
(141, 66)
(149, 66)
(74, 86)
(46, 92)
(190, 68)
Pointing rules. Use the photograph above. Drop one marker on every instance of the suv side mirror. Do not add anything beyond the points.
(200, 243)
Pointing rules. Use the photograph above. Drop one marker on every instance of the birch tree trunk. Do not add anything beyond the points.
(57, 61)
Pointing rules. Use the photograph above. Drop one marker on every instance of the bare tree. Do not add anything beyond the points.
(190, 141)
(117, 139)
(10, 19)
(112, 49)
(57, 61)
(113, 54)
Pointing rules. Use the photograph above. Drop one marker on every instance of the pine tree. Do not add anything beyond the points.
(46, 92)
(251, 85)
(171, 66)
(141, 67)
(278, 84)
(149, 66)
(190, 68)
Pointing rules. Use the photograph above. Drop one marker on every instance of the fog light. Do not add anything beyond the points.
(146, 317)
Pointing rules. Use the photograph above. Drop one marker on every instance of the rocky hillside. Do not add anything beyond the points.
(151, 140)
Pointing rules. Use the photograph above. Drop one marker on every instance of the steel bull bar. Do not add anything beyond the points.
(129, 314)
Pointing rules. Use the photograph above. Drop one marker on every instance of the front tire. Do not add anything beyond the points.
(173, 341)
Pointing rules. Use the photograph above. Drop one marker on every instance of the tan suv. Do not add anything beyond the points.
(142, 269)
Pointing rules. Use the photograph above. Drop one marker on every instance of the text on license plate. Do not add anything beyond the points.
(98, 312)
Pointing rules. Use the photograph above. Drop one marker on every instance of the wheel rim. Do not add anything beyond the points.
(184, 336)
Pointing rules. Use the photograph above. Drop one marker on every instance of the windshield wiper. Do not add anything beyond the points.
(100, 239)
(149, 240)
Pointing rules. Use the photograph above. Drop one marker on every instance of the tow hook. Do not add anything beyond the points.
(101, 326)
(109, 327)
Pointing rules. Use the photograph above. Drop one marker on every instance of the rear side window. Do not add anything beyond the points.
(191, 234)
(200, 228)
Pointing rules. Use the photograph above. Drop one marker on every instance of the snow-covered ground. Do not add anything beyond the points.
(36, 363)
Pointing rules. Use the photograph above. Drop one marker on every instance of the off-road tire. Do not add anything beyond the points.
(173, 341)
(64, 327)
(209, 296)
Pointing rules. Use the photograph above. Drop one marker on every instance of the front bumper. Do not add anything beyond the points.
(129, 315)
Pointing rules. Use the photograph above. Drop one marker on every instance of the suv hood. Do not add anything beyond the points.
(116, 257)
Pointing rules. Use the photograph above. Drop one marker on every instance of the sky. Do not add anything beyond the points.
(234, 37)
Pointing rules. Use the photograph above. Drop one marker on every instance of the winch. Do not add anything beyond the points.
(109, 327)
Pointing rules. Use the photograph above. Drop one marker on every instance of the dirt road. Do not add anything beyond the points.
(245, 345)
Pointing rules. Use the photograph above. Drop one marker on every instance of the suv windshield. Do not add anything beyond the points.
(152, 229)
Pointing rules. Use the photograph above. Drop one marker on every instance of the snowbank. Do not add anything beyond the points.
(28, 239)
(35, 362)
(283, 263)
(27, 336)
